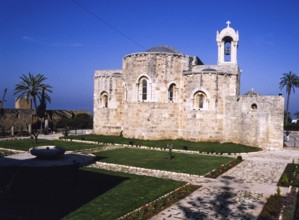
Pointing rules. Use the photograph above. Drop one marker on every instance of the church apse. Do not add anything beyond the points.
(162, 93)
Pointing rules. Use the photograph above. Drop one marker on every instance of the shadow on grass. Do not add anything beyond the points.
(49, 193)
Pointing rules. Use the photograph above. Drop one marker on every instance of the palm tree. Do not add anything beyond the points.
(290, 81)
(34, 87)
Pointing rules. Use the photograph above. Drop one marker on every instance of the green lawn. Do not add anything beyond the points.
(63, 193)
(26, 144)
(184, 163)
(130, 193)
(177, 144)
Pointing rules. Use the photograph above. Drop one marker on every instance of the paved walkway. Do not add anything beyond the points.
(293, 142)
(238, 194)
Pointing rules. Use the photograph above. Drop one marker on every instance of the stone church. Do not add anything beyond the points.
(164, 94)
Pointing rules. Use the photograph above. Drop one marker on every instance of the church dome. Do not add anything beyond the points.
(163, 49)
(251, 93)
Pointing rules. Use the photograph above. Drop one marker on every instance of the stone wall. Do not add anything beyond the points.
(255, 121)
(108, 119)
(23, 103)
(225, 116)
(21, 118)
(160, 69)
(150, 120)
(17, 118)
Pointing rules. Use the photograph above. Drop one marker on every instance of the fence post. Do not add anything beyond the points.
(12, 131)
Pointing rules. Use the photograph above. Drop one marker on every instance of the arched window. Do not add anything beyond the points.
(143, 89)
(227, 49)
(104, 100)
(172, 92)
(200, 100)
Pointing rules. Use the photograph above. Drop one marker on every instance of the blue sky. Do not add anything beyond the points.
(65, 43)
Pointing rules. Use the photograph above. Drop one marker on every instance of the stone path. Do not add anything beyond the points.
(240, 193)
(293, 142)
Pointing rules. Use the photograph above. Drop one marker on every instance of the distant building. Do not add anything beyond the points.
(164, 94)
(23, 103)
(23, 115)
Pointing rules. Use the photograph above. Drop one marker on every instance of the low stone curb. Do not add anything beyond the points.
(194, 179)
(11, 150)
(14, 138)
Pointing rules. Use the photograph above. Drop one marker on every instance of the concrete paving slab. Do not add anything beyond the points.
(239, 193)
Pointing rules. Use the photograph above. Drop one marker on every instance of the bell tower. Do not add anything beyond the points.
(227, 41)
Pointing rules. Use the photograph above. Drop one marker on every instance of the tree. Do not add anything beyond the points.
(79, 121)
(34, 87)
(290, 81)
(41, 109)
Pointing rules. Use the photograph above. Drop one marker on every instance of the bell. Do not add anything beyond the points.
(227, 50)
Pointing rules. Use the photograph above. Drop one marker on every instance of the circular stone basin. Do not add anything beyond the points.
(47, 152)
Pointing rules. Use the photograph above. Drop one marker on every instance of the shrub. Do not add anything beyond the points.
(285, 179)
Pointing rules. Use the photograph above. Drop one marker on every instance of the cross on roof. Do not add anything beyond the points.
(228, 23)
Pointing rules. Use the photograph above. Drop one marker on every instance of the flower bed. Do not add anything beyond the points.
(272, 208)
(280, 207)
(223, 168)
(159, 204)
(290, 176)
(290, 203)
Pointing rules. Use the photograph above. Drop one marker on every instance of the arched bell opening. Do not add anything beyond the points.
(227, 48)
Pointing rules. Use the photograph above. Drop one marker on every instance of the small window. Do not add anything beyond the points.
(171, 92)
(104, 100)
(144, 89)
(253, 106)
(200, 100)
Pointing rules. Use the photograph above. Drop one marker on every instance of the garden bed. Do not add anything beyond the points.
(290, 176)
(280, 207)
(224, 167)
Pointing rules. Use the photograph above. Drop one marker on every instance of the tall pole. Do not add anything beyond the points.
(3, 98)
